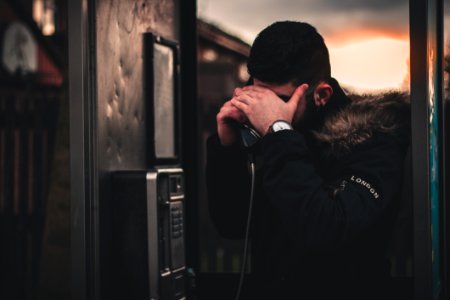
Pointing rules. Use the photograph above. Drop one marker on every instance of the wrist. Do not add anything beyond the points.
(279, 125)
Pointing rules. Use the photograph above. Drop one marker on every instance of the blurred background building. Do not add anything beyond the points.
(222, 66)
(34, 151)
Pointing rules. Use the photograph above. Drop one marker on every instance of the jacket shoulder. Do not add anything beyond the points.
(362, 118)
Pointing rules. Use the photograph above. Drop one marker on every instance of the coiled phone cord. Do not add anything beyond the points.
(247, 231)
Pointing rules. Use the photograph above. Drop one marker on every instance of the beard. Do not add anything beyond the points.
(311, 118)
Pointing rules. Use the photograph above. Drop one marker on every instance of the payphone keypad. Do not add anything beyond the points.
(177, 222)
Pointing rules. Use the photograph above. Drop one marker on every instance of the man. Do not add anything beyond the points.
(329, 173)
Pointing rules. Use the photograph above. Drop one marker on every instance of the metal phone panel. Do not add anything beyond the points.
(148, 230)
(152, 227)
(171, 199)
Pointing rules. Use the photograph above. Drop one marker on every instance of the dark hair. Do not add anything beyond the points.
(289, 52)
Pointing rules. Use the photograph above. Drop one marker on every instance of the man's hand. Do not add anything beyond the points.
(225, 129)
(262, 106)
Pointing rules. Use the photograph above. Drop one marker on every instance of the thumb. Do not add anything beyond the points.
(298, 95)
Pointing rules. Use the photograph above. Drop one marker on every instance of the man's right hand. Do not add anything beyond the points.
(225, 128)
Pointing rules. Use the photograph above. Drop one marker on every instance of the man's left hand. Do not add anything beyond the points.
(263, 107)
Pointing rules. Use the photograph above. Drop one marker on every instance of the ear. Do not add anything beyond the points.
(322, 94)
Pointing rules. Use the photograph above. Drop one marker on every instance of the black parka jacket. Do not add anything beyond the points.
(325, 203)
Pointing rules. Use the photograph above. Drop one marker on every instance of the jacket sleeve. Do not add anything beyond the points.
(228, 187)
(313, 218)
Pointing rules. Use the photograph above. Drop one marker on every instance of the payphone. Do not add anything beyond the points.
(148, 234)
(148, 244)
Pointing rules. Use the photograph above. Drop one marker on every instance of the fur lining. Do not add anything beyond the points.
(353, 125)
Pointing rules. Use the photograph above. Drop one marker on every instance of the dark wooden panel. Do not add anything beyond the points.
(26, 137)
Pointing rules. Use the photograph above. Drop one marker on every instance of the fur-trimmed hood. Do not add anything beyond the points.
(355, 123)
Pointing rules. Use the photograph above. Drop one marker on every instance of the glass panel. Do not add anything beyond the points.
(434, 96)
(446, 130)
(219, 72)
(164, 101)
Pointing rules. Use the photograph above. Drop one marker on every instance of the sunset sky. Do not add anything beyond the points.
(368, 40)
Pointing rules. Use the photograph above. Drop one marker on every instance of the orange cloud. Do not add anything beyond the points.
(371, 64)
(358, 35)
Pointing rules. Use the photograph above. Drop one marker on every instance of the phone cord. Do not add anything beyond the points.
(247, 231)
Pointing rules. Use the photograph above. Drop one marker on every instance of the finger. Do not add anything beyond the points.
(244, 98)
(231, 113)
(298, 95)
(239, 91)
(227, 104)
(255, 88)
(253, 94)
(230, 108)
(240, 105)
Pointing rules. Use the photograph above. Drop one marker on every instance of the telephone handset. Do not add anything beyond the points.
(248, 135)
